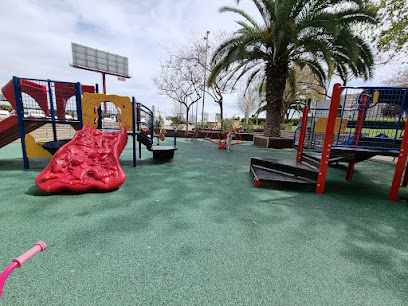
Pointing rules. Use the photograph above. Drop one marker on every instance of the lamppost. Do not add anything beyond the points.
(205, 74)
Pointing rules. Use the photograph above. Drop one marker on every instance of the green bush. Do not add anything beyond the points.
(293, 121)
(252, 120)
(203, 125)
(249, 128)
(159, 122)
(378, 124)
(286, 126)
(226, 125)
(177, 122)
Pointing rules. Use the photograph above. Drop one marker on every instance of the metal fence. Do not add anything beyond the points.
(46, 99)
(367, 117)
(109, 116)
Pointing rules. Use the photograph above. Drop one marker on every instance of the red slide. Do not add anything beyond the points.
(89, 161)
(9, 130)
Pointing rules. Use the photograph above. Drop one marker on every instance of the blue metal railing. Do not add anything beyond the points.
(294, 138)
(143, 108)
(363, 122)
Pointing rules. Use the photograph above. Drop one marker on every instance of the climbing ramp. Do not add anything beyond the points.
(89, 161)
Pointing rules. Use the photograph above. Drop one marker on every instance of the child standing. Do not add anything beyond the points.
(229, 140)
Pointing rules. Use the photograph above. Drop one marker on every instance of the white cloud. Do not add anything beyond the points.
(36, 39)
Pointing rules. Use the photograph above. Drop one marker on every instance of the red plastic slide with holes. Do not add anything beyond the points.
(89, 161)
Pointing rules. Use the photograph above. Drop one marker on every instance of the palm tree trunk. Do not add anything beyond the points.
(275, 86)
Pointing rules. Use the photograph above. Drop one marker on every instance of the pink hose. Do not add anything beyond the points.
(5, 274)
(18, 262)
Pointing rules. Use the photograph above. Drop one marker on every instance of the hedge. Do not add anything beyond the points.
(378, 124)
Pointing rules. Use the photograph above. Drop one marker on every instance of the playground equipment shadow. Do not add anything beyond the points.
(194, 231)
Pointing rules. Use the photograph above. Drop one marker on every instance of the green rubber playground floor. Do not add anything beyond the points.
(195, 231)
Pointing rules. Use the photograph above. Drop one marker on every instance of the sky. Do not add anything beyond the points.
(36, 38)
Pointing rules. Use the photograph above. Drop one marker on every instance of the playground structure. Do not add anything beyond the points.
(361, 122)
(18, 262)
(37, 102)
(220, 137)
(111, 112)
(89, 161)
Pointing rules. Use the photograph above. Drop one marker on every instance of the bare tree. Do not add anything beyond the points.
(182, 75)
(399, 79)
(247, 102)
(180, 79)
(198, 48)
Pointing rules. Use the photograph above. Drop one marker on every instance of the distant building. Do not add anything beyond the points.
(323, 104)
(211, 117)
(166, 120)
(192, 119)
(160, 114)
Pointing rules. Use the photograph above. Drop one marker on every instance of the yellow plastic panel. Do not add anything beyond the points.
(322, 123)
(376, 96)
(91, 102)
(35, 150)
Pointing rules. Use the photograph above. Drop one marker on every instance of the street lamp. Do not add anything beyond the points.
(205, 74)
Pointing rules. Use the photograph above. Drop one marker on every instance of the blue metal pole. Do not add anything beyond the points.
(399, 119)
(312, 128)
(152, 127)
(138, 127)
(20, 117)
(54, 127)
(341, 119)
(175, 137)
(134, 131)
(99, 127)
(78, 96)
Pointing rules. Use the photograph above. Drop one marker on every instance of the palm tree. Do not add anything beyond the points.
(313, 33)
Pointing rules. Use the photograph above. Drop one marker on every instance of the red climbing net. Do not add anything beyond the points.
(219, 137)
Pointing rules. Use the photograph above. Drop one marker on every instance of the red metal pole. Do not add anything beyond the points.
(357, 132)
(399, 169)
(104, 83)
(328, 138)
(302, 133)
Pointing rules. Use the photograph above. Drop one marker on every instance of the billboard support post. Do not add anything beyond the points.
(104, 82)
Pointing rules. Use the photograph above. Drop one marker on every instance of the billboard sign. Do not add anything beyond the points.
(100, 61)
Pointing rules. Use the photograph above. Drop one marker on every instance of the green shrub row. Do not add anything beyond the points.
(252, 121)
(378, 124)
